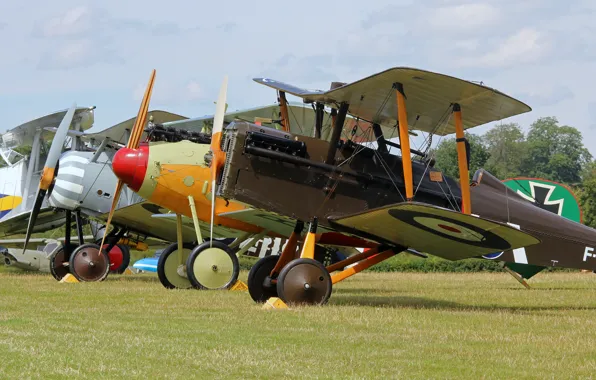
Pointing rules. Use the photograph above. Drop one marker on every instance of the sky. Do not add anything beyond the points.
(542, 52)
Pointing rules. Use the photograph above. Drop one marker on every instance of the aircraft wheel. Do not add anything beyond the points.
(304, 281)
(119, 258)
(58, 258)
(212, 266)
(89, 264)
(259, 282)
(170, 267)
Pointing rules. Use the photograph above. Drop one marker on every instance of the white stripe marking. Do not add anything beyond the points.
(519, 255)
(65, 201)
(72, 187)
(72, 171)
(74, 158)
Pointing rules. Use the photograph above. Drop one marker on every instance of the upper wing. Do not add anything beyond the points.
(302, 122)
(429, 97)
(24, 133)
(435, 230)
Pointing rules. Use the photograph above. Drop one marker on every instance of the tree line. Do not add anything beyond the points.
(548, 150)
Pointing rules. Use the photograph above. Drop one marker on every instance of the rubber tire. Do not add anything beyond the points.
(74, 254)
(161, 274)
(125, 259)
(57, 272)
(257, 275)
(292, 264)
(197, 251)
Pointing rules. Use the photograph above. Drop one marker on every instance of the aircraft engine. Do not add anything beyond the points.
(85, 185)
(67, 190)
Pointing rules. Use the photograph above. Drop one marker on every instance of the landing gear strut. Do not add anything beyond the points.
(305, 280)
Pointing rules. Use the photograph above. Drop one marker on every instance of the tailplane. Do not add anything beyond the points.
(545, 209)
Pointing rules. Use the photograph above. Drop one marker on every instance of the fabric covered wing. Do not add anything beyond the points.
(271, 221)
(438, 231)
(151, 220)
(429, 97)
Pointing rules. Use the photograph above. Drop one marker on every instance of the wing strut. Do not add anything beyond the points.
(338, 124)
(320, 112)
(381, 144)
(283, 106)
(404, 139)
(462, 159)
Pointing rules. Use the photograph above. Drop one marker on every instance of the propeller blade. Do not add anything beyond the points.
(56, 149)
(141, 120)
(220, 110)
(218, 155)
(48, 174)
(133, 143)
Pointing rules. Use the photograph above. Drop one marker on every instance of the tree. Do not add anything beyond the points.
(446, 155)
(586, 194)
(555, 152)
(506, 146)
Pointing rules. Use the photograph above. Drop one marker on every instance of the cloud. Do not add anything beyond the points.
(168, 93)
(525, 46)
(75, 54)
(464, 17)
(85, 36)
(388, 15)
(543, 97)
(74, 22)
(228, 26)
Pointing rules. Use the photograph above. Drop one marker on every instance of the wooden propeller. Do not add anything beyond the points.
(133, 143)
(218, 155)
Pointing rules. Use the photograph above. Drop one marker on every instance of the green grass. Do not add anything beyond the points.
(385, 325)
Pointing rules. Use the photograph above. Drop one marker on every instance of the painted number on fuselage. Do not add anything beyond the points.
(589, 252)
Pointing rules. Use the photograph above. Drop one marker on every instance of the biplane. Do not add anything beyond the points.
(186, 193)
(354, 194)
(81, 188)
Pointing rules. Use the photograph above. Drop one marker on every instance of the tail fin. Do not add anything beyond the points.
(550, 196)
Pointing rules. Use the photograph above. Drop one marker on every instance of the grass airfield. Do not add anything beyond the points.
(404, 325)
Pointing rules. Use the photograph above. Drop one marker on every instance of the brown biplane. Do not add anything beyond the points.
(354, 194)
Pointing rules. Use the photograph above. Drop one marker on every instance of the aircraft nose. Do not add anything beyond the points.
(130, 165)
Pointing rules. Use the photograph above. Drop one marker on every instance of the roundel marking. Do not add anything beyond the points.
(449, 228)
(458, 231)
(492, 256)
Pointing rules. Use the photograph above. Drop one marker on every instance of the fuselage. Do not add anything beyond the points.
(168, 173)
